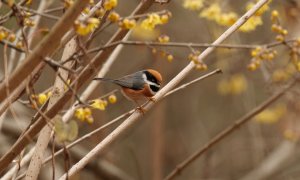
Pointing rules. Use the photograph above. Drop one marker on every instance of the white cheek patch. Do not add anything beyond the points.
(144, 77)
(150, 83)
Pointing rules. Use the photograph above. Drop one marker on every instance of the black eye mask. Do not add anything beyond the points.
(151, 78)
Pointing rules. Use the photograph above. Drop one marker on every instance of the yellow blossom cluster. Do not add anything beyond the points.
(235, 85)
(127, 23)
(193, 5)
(114, 16)
(110, 4)
(85, 114)
(256, 19)
(146, 30)
(199, 65)
(28, 22)
(155, 19)
(271, 115)
(281, 36)
(214, 12)
(84, 28)
(163, 38)
(260, 54)
(42, 97)
(169, 57)
(7, 35)
(277, 28)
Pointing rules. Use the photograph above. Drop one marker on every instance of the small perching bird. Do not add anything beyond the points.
(139, 86)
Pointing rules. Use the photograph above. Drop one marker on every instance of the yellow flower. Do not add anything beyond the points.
(42, 98)
(99, 12)
(114, 17)
(213, 12)
(90, 120)
(28, 22)
(84, 29)
(110, 4)
(93, 23)
(227, 19)
(79, 113)
(262, 10)
(3, 34)
(251, 24)
(201, 67)
(127, 23)
(11, 37)
(145, 34)
(271, 115)
(193, 4)
(98, 104)
(170, 57)
(163, 38)
(81, 29)
(164, 19)
(152, 21)
(83, 114)
(112, 99)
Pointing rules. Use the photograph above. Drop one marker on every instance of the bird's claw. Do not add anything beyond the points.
(141, 109)
(152, 99)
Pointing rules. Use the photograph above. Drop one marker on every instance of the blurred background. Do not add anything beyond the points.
(185, 121)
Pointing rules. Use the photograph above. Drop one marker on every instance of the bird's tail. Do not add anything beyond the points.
(105, 79)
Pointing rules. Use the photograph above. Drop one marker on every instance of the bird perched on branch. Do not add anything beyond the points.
(139, 86)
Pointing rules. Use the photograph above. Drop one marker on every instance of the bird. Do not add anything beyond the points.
(139, 86)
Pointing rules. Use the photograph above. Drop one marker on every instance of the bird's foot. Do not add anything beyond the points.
(141, 109)
(152, 99)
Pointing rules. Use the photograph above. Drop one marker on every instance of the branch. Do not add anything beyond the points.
(133, 119)
(86, 74)
(45, 135)
(228, 131)
(47, 46)
(189, 45)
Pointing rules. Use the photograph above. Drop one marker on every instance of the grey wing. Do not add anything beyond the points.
(133, 81)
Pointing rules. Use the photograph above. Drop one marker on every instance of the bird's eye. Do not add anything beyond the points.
(151, 78)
